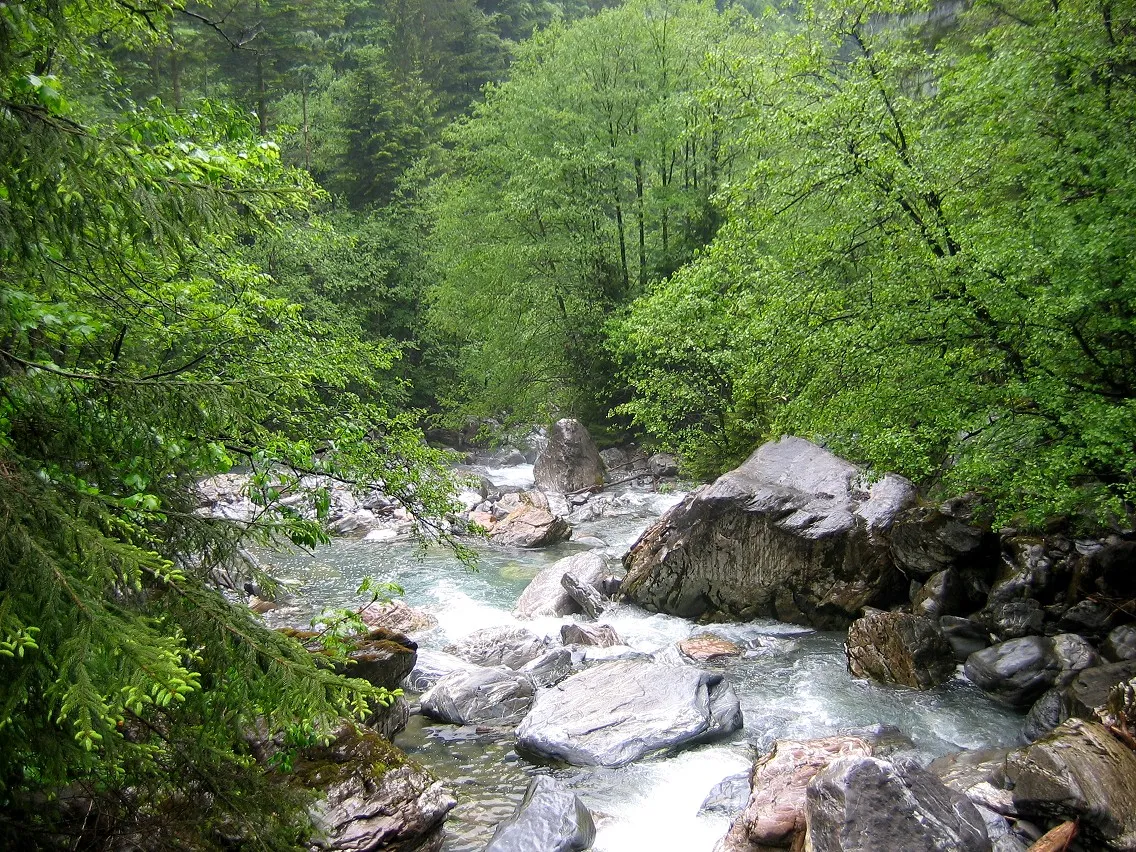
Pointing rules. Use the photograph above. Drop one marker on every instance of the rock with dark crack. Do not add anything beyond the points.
(794, 533)
(865, 804)
(614, 713)
(484, 696)
(570, 462)
(545, 594)
(899, 648)
(774, 814)
(373, 797)
(1079, 772)
(550, 818)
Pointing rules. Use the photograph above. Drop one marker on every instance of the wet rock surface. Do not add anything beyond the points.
(1018, 671)
(793, 533)
(865, 804)
(899, 648)
(500, 646)
(774, 814)
(550, 818)
(618, 712)
(485, 696)
(545, 595)
(1079, 772)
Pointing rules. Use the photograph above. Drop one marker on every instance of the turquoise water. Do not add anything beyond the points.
(793, 683)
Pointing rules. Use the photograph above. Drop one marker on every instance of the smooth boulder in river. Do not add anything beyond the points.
(795, 533)
(551, 818)
(570, 462)
(545, 594)
(618, 712)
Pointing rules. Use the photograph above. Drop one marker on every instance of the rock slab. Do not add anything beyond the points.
(1079, 772)
(545, 594)
(794, 533)
(482, 696)
(551, 818)
(618, 712)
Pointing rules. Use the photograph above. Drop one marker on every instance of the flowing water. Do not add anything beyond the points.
(792, 682)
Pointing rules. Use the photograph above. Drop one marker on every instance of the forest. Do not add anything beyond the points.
(294, 237)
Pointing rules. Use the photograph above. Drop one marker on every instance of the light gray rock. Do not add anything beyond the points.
(500, 646)
(432, 666)
(794, 533)
(1080, 771)
(549, 668)
(729, 796)
(545, 594)
(570, 461)
(663, 464)
(587, 596)
(899, 648)
(530, 527)
(483, 696)
(865, 804)
(617, 712)
(550, 818)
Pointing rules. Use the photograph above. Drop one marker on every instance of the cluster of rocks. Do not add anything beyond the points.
(801, 535)
(585, 699)
(568, 472)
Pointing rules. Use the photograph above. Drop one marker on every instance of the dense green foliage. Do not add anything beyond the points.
(585, 176)
(139, 352)
(930, 265)
(269, 234)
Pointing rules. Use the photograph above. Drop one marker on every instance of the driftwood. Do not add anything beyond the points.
(1057, 839)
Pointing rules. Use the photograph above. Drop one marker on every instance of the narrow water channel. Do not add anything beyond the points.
(792, 682)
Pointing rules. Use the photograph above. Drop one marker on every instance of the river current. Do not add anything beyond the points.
(792, 682)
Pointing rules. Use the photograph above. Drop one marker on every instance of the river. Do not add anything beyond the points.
(792, 682)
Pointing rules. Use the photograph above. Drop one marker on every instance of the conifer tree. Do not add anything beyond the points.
(138, 354)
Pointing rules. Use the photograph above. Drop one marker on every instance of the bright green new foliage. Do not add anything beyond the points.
(139, 353)
(929, 264)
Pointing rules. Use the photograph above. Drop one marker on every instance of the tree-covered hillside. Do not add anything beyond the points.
(286, 235)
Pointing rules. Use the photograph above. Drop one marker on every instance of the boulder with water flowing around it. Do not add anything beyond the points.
(615, 713)
(794, 533)
(550, 818)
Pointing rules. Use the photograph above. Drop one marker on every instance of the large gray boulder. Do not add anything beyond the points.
(774, 814)
(372, 796)
(570, 462)
(617, 712)
(795, 533)
(1017, 672)
(550, 818)
(545, 594)
(483, 696)
(500, 646)
(1079, 772)
(865, 804)
(926, 540)
(899, 648)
